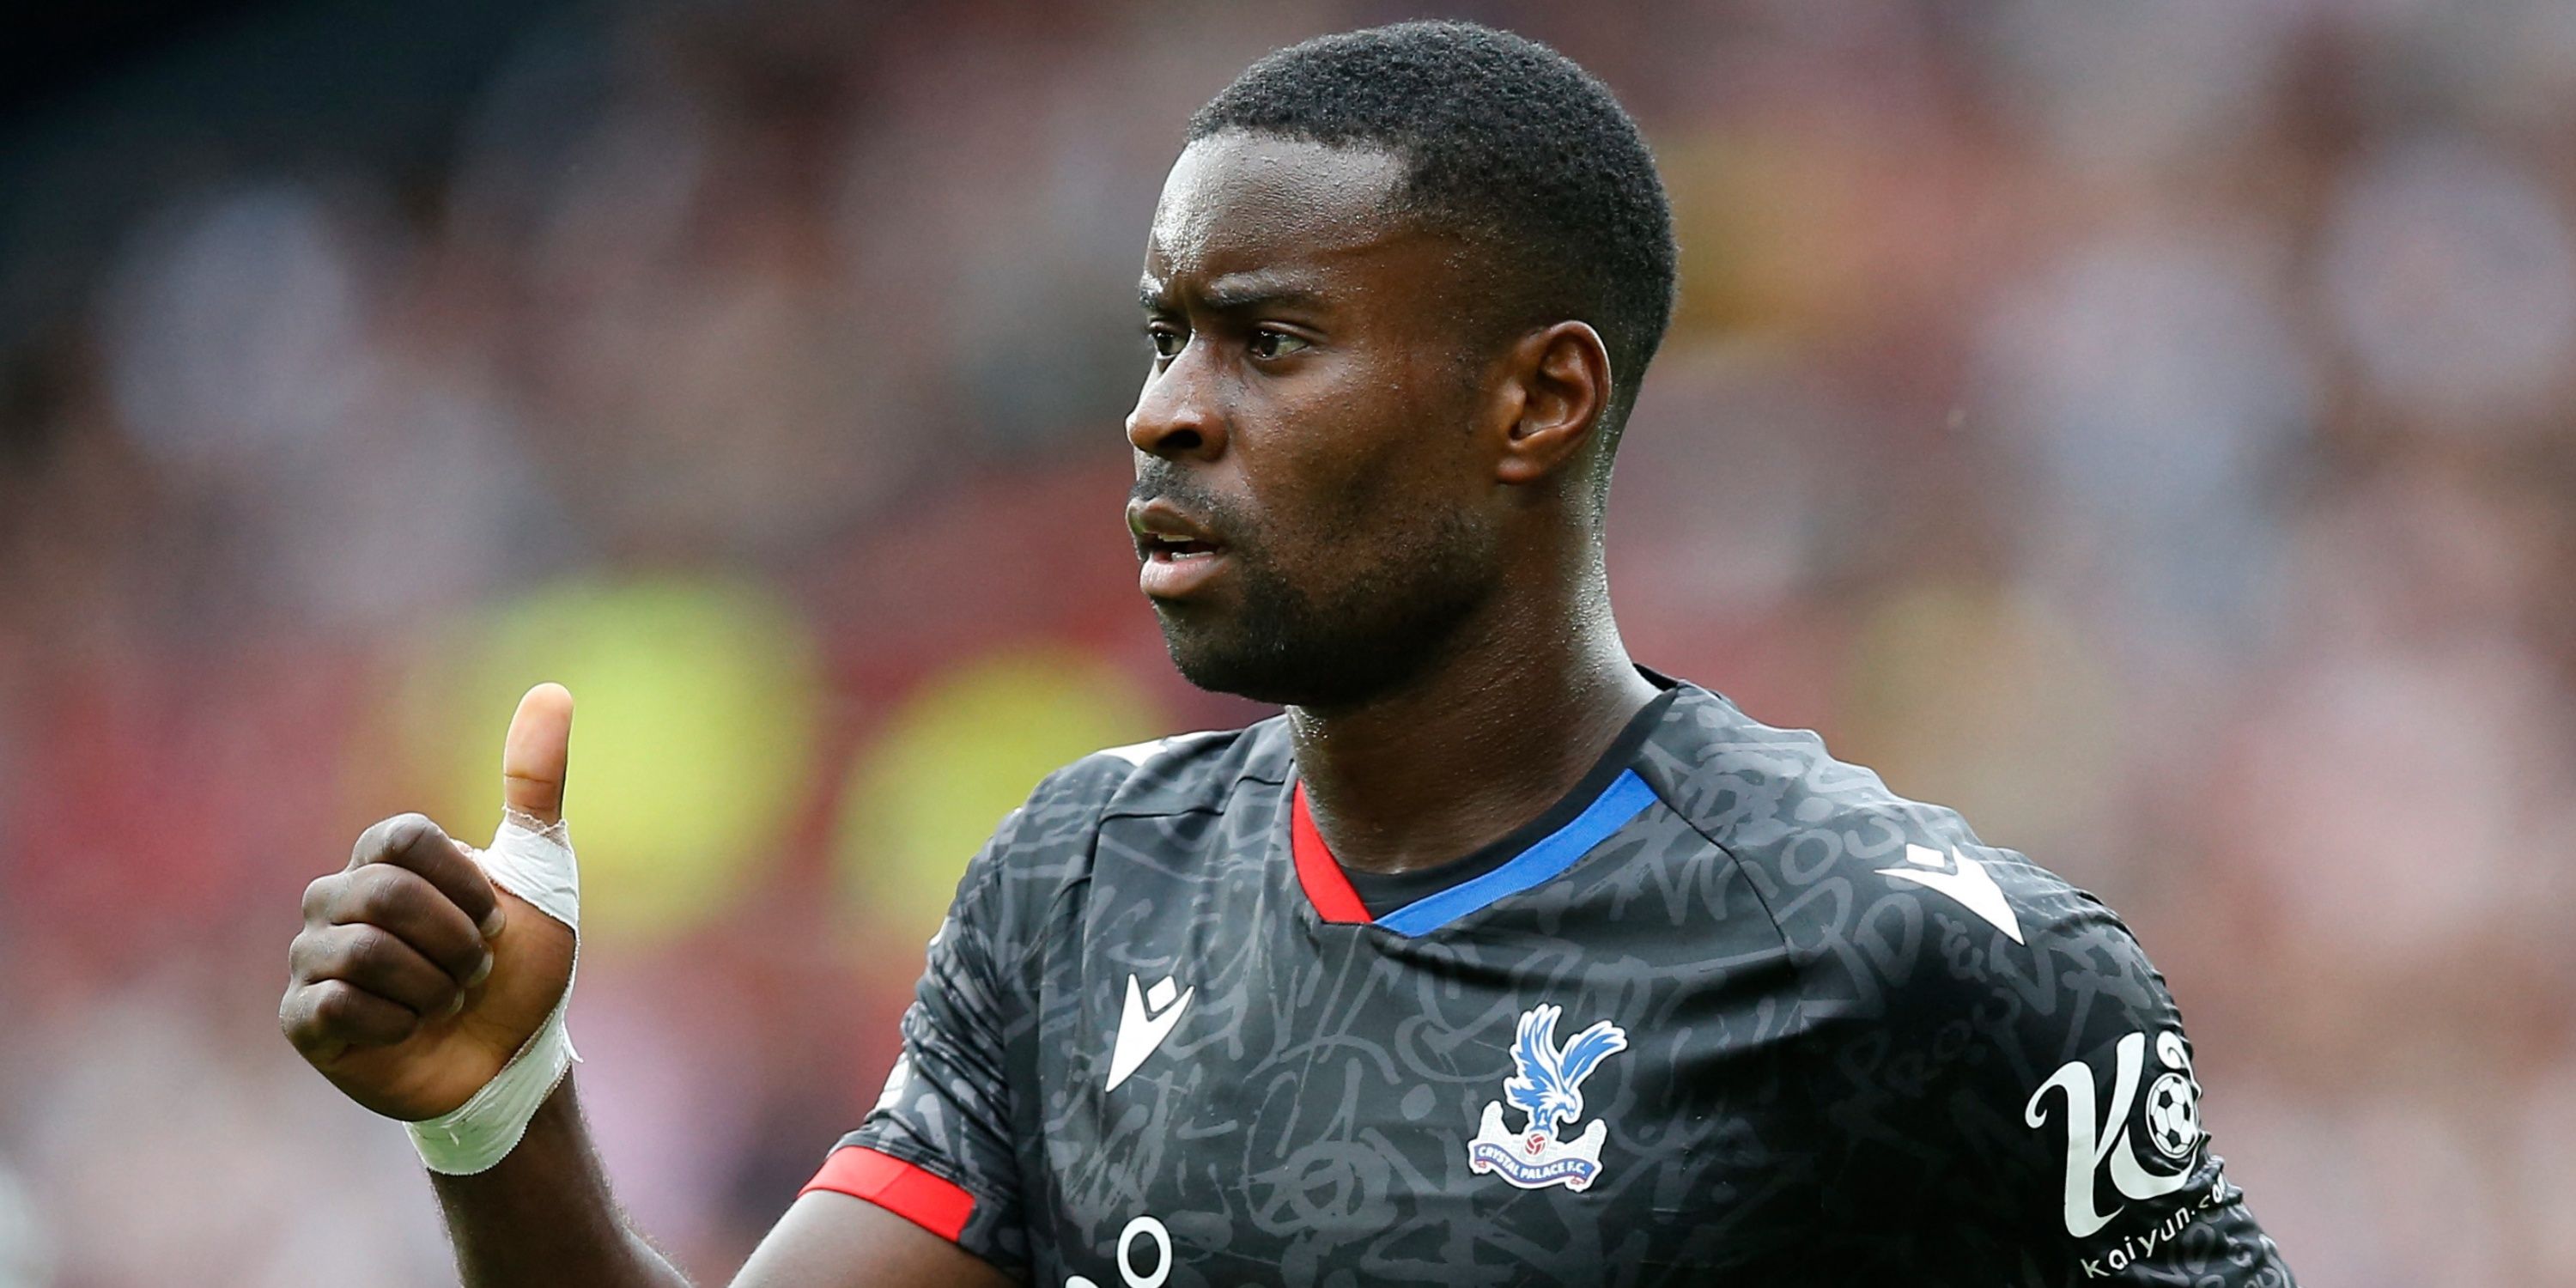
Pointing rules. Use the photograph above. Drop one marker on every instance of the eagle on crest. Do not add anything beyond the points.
(1549, 1087)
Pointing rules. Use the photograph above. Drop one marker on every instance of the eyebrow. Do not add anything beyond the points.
(1237, 292)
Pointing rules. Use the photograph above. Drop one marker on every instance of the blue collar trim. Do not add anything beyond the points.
(1622, 800)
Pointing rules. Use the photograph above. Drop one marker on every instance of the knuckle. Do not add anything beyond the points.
(338, 1007)
(386, 836)
(370, 843)
(326, 1004)
(301, 1031)
(318, 895)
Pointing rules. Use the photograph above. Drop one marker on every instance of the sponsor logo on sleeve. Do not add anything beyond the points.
(2141, 1147)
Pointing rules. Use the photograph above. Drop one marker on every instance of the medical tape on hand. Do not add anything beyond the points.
(535, 863)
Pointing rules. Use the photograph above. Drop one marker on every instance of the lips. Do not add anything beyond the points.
(1163, 532)
(1178, 552)
(1162, 547)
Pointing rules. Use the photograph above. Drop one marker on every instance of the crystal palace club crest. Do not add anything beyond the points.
(1549, 1090)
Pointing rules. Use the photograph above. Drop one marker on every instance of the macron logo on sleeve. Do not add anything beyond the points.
(1141, 1031)
(1967, 881)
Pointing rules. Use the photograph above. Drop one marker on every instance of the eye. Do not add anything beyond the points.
(1269, 342)
(1166, 339)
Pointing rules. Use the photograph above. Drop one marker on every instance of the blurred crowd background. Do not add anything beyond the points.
(2148, 428)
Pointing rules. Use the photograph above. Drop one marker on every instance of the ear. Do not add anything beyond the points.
(1562, 374)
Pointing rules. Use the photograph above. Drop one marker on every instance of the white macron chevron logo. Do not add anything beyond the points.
(1141, 1031)
(1968, 882)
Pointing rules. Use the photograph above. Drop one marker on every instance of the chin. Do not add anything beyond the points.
(1275, 641)
(1278, 670)
(1230, 666)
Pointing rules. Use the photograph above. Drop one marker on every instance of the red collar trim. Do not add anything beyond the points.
(1326, 885)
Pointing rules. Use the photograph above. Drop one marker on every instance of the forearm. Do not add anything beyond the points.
(544, 1215)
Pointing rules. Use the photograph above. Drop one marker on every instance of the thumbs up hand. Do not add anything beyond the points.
(416, 977)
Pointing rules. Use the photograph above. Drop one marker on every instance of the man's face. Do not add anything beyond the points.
(1313, 513)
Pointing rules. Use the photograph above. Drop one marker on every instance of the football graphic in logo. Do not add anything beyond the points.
(2173, 1115)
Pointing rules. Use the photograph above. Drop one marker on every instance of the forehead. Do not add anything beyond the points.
(1244, 203)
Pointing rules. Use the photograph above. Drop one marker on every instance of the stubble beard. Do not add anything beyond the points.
(1377, 628)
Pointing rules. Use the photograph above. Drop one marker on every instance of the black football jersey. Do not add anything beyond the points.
(1732, 1013)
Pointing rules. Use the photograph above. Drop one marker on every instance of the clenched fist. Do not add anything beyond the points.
(415, 978)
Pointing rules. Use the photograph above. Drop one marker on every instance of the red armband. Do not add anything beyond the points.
(910, 1192)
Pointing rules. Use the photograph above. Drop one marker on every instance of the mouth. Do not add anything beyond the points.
(1177, 552)
(1164, 534)
(1156, 549)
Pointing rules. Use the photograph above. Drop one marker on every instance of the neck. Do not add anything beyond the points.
(1528, 700)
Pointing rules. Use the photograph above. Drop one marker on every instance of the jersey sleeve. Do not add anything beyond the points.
(939, 1149)
(2015, 1100)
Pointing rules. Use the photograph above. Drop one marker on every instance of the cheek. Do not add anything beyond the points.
(1328, 494)
(1360, 462)
(1345, 522)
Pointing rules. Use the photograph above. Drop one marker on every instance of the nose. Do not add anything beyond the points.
(1176, 414)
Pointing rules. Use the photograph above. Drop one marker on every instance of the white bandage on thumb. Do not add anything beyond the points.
(536, 864)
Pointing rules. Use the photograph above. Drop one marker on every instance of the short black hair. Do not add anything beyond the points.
(1505, 141)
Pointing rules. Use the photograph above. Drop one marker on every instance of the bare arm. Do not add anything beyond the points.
(543, 1214)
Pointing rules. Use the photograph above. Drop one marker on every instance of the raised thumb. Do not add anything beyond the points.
(532, 757)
